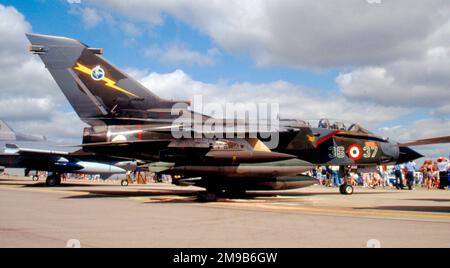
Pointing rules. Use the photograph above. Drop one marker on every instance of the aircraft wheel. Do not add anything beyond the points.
(207, 196)
(124, 183)
(346, 189)
(236, 192)
(53, 180)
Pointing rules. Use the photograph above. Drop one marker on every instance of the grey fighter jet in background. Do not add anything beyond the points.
(32, 152)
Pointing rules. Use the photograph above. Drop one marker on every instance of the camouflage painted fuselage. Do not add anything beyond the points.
(128, 120)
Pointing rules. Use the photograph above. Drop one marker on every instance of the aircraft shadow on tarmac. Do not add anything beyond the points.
(439, 209)
(172, 195)
(189, 195)
(39, 184)
(86, 194)
(431, 199)
(63, 185)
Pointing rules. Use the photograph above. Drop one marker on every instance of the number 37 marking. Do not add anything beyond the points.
(370, 152)
(340, 152)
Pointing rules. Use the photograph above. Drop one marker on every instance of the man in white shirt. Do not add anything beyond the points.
(443, 167)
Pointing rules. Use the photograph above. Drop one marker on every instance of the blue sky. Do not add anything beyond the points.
(379, 64)
(54, 18)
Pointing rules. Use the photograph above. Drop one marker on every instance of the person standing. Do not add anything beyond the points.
(443, 166)
(383, 176)
(410, 168)
(336, 176)
(398, 177)
(329, 174)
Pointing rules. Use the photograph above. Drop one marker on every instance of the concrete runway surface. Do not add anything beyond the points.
(105, 214)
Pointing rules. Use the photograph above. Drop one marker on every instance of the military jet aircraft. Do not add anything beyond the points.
(128, 120)
(36, 153)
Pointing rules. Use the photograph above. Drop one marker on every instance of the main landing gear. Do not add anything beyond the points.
(53, 180)
(207, 196)
(346, 189)
(211, 194)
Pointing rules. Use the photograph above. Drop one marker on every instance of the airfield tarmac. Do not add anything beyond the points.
(105, 214)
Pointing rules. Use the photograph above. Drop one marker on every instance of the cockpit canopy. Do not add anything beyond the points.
(326, 123)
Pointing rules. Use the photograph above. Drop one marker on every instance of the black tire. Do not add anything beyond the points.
(235, 193)
(124, 183)
(53, 181)
(346, 189)
(207, 196)
(35, 178)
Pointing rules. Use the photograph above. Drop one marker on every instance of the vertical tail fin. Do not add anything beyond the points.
(94, 87)
(9, 134)
(6, 132)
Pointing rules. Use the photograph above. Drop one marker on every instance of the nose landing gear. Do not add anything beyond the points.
(346, 189)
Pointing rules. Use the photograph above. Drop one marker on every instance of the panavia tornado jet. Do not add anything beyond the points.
(128, 120)
(32, 152)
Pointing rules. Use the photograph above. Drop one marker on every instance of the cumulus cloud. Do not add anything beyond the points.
(180, 54)
(91, 17)
(305, 34)
(398, 65)
(295, 101)
(130, 29)
(421, 129)
(18, 108)
(29, 98)
(422, 82)
(61, 126)
(397, 51)
(12, 27)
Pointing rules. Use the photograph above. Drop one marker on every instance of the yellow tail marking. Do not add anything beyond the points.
(108, 82)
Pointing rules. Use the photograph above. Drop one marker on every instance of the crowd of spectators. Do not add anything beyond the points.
(431, 174)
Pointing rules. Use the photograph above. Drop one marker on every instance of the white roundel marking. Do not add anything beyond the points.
(97, 73)
(119, 138)
(354, 152)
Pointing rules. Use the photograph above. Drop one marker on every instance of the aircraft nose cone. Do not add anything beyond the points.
(407, 154)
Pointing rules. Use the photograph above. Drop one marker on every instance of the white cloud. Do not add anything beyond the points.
(179, 53)
(25, 107)
(421, 129)
(130, 29)
(33, 101)
(398, 50)
(423, 81)
(12, 28)
(295, 101)
(443, 111)
(60, 127)
(303, 33)
(91, 17)
(29, 98)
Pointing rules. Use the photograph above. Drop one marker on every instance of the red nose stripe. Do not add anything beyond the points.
(325, 138)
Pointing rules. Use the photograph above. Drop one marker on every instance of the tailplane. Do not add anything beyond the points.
(94, 87)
